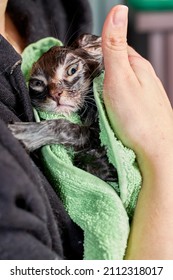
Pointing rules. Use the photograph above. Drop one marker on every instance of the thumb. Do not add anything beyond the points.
(114, 42)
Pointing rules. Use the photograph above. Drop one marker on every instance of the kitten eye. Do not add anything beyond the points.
(72, 69)
(37, 84)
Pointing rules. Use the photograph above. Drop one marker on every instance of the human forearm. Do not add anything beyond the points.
(151, 235)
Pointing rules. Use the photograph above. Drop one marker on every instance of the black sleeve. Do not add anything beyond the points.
(33, 221)
(27, 226)
(63, 19)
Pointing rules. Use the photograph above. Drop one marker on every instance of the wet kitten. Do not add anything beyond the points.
(61, 82)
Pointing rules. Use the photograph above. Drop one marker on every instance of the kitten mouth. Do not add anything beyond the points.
(61, 103)
(65, 105)
(64, 108)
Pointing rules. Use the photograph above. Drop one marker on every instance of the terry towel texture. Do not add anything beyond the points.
(97, 207)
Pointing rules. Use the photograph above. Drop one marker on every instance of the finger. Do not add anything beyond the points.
(136, 60)
(114, 42)
(143, 69)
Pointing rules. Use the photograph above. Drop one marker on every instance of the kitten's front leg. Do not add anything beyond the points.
(35, 135)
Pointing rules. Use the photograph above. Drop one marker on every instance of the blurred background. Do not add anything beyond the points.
(150, 32)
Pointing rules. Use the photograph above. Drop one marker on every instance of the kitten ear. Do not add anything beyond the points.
(92, 44)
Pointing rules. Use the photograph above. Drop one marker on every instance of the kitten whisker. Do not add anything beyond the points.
(77, 31)
(70, 25)
(85, 109)
(88, 99)
(91, 103)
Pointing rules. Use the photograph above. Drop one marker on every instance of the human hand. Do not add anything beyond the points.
(142, 117)
(136, 102)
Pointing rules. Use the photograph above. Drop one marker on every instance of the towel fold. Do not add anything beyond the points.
(101, 210)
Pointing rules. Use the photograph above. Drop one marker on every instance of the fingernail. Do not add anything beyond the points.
(120, 15)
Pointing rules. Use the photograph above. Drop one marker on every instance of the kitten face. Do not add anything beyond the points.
(61, 79)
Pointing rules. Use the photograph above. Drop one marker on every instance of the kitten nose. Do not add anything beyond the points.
(59, 92)
(56, 94)
(59, 89)
(56, 90)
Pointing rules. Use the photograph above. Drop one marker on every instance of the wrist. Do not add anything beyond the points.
(157, 165)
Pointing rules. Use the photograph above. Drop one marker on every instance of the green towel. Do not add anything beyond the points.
(101, 210)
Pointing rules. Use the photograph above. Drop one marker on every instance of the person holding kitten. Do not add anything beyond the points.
(34, 224)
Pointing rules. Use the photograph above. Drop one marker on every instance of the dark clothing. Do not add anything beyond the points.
(64, 19)
(33, 222)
